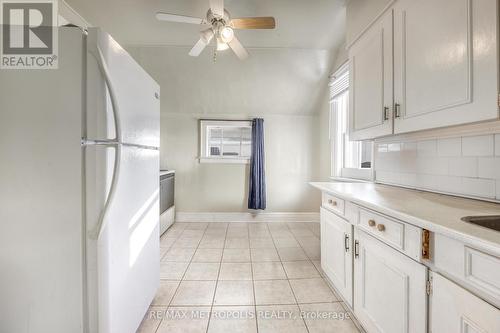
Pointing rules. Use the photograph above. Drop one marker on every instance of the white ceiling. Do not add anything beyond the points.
(310, 24)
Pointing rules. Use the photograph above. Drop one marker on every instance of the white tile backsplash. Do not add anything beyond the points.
(463, 165)
(478, 145)
(497, 144)
(449, 147)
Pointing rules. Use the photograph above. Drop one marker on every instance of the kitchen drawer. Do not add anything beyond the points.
(473, 268)
(333, 203)
(402, 236)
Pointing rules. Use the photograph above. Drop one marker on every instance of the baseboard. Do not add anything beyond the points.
(246, 217)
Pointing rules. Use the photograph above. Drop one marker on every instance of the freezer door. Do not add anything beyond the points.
(123, 262)
(136, 94)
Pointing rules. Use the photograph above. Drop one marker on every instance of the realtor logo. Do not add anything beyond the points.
(29, 34)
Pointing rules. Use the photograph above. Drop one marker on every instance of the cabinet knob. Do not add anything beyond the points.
(371, 223)
(332, 202)
(380, 227)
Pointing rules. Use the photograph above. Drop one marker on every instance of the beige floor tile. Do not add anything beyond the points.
(185, 242)
(259, 233)
(234, 319)
(300, 269)
(285, 242)
(312, 291)
(302, 232)
(178, 254)
(235, 271)
(165, 292)
(237, 233)
(163, 251)
(185, 320)
(281, 234)
(196, 225)
(317, 264)
(291, 254)
(188, 233)
(236, 255)
(173, 232)
(211, 243)
(167, 241)
(270, 292)
(261, 243)
(308, 241)
(194, 293)
(218, 225)
(268, 271)
(236, 243)
(172, 270)
(202, 271)
(234, 293)
(261, 255)
(207, 255)
(280, 319)
(327, 318)
(221, 232)
(151, 320)
(313, 252)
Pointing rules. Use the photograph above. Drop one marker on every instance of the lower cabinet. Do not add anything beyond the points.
(336, 252)
(389, 288)
(455, 310)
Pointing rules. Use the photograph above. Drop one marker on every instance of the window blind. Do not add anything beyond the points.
(339, 81)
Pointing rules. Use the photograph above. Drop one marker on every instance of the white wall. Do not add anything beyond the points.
(360, 13)
(291, 155)
(286, 87)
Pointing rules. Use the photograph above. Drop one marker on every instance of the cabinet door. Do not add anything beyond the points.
(370, 91)
(389, 288)
(455, 310)
(336, 252)
(445, 63)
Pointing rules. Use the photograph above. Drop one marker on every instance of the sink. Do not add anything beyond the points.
(491, 221)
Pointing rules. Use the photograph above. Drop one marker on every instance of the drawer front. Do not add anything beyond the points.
(333, 203)
(402, 236)
(390, 231)
(474, 268)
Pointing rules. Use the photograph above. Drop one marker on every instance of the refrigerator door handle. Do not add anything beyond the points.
(96, 232)
(112, 94)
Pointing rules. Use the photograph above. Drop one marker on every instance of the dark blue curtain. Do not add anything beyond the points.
(257, 184)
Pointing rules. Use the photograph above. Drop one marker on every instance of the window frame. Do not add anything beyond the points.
(337, 147)
(204, 124)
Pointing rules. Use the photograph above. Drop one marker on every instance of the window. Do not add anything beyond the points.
(349, 159)
(225, 141)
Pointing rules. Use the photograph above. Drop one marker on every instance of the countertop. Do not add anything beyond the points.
(166, 172)
(435, 212)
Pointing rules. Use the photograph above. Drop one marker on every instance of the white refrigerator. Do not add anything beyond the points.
(79, 187)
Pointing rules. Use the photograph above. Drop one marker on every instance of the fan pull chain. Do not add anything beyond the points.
(215, 55)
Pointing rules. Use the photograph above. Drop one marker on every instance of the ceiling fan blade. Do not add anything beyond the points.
(205, 38)
(198, 48)
(238, 49)
(254, 23)
(217, 7)
(178, 18)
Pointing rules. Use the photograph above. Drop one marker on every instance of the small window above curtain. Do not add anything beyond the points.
(225, 141)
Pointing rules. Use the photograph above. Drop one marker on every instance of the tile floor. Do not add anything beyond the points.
(244, 277)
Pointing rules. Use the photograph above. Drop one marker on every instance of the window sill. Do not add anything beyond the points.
(358, 174)
(225, 160)
(349, 180)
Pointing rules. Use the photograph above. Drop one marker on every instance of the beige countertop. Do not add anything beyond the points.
(435, 212)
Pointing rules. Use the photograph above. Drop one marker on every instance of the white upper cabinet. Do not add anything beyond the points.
(432, 63)
(445, 63)
(371, 91)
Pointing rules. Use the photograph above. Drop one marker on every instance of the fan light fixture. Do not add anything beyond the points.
(226, 34)
(221, 46)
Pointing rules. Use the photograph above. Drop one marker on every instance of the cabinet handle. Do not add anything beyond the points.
(371, 223)
(346, 242)
(386, 113)
(380, 227)
(397, 110)
(356, 249)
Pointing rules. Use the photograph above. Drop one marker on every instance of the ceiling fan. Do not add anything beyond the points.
(221, 28)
